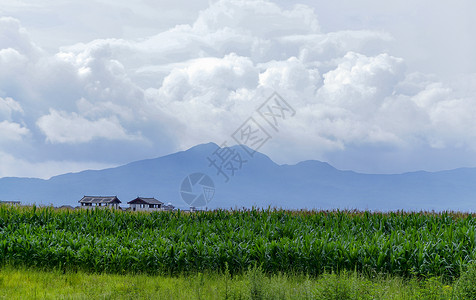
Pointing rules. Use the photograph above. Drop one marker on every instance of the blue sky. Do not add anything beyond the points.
(378, 87)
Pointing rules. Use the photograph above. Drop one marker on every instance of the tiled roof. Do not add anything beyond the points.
(99, 199)
(142, 200)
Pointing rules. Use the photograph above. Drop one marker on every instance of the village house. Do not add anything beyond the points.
(10, 203)
(88, 202)
(146, 204)
(168, 207)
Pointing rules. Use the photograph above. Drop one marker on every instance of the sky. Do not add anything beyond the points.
(375, 87)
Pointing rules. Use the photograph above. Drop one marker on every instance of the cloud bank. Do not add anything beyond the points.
(115, 100)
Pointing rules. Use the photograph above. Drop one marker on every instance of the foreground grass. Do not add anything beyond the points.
(254, 284)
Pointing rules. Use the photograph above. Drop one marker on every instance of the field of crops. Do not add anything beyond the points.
(309, 242)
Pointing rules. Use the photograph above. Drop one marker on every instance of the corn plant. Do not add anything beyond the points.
(309, 242)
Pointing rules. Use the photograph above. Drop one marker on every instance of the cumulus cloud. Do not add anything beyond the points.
(198, 82)
(62, 127)
(10, 114)
(13, 36)
(12, 131)
(291, 74)
(360, 84)
(259, 18)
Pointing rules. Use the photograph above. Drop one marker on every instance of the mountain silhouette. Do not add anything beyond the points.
(253, 181)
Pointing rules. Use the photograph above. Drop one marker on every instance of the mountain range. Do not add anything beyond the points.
(246, 181)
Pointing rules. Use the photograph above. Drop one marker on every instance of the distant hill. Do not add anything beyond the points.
(260, 183)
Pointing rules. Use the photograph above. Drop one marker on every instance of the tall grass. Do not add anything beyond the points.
(18, 283)
(305, 242)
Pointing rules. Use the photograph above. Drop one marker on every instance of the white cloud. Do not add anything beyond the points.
(11, 131)
(197, 82)
(16, 167)
(291, 74)
(259, 18)
(209, 75)
(8, 106)
(62, 127)
(13, 36)
(361, 83)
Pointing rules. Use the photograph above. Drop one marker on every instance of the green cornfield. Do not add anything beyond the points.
(303, 242)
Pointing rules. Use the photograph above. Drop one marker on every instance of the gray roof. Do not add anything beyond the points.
(100, 199)
(168, 207)
(10, 202)
(142, 200)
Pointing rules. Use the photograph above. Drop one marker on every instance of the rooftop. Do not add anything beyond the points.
(100, 199)
(142, 200)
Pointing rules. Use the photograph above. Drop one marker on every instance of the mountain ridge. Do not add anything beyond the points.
(260, 182)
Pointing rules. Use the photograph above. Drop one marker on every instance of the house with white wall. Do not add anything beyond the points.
(145, 204)
(89, 202)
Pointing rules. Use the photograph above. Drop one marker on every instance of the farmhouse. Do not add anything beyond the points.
(168, 207)
(10, 202)
(99, 202)
(145, 204)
